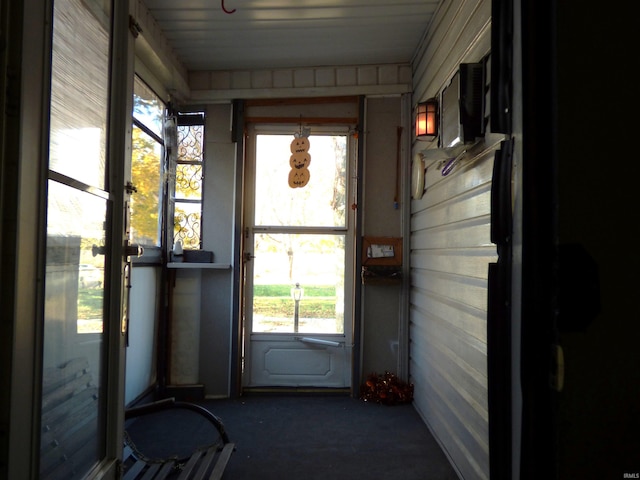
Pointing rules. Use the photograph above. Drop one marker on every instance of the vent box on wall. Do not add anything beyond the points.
(462, 102)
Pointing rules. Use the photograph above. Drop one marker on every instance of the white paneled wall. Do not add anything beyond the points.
(450, 253)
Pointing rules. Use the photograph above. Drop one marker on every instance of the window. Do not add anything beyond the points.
(189, 176)
(146, 166)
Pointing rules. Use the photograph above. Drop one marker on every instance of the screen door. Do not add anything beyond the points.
(298, 255)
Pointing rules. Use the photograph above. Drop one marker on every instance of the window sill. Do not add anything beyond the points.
(218, 266)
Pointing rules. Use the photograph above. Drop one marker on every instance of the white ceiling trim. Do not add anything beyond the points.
(390, 79)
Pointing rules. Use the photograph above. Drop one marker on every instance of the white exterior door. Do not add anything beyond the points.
(298, 258)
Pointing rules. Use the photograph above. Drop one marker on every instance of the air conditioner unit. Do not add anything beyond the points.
(462, 106)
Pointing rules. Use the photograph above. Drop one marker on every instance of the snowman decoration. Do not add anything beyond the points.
(299, 161)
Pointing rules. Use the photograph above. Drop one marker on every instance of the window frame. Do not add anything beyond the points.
(153, 252)
(186, 118)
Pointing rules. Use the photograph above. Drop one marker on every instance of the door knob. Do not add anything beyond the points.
(133, 251)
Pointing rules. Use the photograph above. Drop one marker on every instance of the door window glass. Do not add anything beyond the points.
(79, 92)
(321, 202)
(75, 262)
(298, 283)
(72, 417)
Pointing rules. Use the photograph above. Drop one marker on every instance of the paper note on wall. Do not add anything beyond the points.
(380, 251)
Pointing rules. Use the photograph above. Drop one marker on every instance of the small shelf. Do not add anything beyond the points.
(381, 275)
(193, 265)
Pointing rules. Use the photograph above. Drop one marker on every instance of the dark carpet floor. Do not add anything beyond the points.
(323, 437)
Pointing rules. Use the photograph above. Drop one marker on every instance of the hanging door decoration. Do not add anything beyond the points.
(299, 161)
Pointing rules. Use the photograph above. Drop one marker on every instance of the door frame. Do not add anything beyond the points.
(22, 238)
(119, 147)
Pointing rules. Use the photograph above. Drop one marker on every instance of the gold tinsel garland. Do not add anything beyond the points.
(387, 389)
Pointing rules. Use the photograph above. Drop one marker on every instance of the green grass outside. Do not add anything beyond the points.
(275, 301)
(285, 290)
(269, 300)
(284, 307)
(90, 303)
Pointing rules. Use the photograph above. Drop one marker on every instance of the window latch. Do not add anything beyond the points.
(130, 188)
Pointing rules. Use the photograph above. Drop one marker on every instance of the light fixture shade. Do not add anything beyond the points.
(427, 119)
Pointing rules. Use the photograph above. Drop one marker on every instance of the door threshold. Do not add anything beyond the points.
(295, 391)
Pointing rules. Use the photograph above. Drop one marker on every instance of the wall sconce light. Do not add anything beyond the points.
(427, 119)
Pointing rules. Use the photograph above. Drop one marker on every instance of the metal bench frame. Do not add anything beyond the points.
(207, 462)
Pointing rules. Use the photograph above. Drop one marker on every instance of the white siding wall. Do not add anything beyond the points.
(450, 252)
